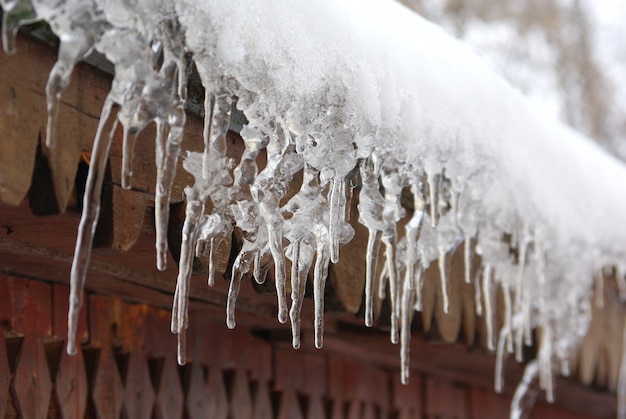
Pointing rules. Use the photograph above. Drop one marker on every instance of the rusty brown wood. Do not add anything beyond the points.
(70, 383)
(488, 405)
(6, 311)
(107, 391)
(31, 318)
(407, 399)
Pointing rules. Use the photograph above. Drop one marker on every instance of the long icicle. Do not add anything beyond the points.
(209, 102)
(500, 356)
(161, 200)
(275, 237)
(128, 150)
(298, 287)
(337, 215)
(408, 294)
(294, 312)
(486, 290)
(166, 170)
(193, 213)
(89, 217)
(241, 266)
(393, 287)
(525, 393)
(443, 279)
(371, 262)
(467, 259)
(319, 281)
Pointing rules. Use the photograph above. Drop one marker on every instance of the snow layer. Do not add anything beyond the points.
(348, 92)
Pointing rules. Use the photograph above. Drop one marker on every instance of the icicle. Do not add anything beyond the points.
(275, 237)
(319, 281)
(468, 259)
(194, 211)
(599, 287)
(621, 384)
(337, 215)
(508, 325)
(241, 266)
(302, 265)
(393, 287)
(433, 188)
(443, 279)
(15, 14)
(500, 352)
(260, 271)
(371, 262)
(128, 149)
(525, 394)
(486, 290)
(215, 135)
(166, 162)
(294, 313)
(213, 245)
(521, 295)
(405, 333)
(477, 294)
(419, 283)
(209, 102)
(181, 346)
(89, 217)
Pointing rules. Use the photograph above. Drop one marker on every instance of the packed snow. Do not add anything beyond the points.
(349, 91)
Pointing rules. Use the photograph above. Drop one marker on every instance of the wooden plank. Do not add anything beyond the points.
(5, 375)
(486, 404)
(31, 317)
(288, 379)
(408, 399)
(107, 392)
(446, 400)
(21, 118)
(70, 383)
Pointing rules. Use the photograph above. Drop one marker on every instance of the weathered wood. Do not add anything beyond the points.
(160, 349)
(70, 383)
(31, 317)
(5, 374)
(289, 378)
(107, 391)
(407, 399)
(20, 118)
(486, 404)
(70, 386)
(445, 400)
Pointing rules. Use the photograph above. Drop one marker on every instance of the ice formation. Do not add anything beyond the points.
(338, 91)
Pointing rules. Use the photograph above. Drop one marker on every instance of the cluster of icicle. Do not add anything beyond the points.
(152, 51)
